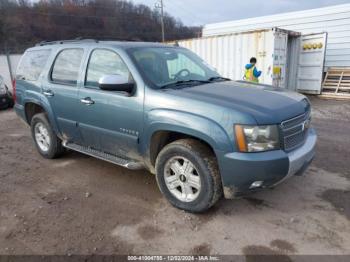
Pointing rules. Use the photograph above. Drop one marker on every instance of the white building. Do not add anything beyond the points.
(335, 20)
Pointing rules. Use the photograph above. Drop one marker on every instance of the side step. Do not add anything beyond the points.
(128, 163)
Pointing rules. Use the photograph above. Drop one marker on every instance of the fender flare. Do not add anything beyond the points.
(186, 123)
(40, 100)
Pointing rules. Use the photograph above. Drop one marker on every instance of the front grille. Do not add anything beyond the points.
(294, 131)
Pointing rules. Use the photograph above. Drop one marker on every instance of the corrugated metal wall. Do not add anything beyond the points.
(334, 19)
(229, 54)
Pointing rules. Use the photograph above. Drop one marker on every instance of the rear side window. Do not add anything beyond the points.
(32, 64)
(66, 67)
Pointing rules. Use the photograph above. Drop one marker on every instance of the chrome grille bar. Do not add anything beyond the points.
(294, 131)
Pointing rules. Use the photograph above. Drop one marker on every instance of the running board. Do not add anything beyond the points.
(128, 163)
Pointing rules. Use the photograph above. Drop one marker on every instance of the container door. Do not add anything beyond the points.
(279, 59)
(311, 62)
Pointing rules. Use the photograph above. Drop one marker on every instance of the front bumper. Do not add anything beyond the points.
(240, 170)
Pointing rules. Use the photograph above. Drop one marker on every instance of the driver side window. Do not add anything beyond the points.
(183, 63)
(104, 62)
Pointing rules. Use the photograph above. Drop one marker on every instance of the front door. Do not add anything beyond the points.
(109, 121)
(62, 92)
(311, 62)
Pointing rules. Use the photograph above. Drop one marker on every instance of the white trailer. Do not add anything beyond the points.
(335, 20)
(287, 59)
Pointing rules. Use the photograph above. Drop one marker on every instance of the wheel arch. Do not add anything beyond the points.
(169, 126)
(161, 138)
(32, 107)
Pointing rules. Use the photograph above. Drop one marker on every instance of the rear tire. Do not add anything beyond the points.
(45, 139)
(188, 175)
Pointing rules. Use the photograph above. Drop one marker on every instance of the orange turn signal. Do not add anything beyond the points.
(240, 138)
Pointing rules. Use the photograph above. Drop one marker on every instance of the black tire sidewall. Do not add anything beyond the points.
(41, 118)
(204, 199)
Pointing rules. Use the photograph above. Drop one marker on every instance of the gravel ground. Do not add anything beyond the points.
(81, 205)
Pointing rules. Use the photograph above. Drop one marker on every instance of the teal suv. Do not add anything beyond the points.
(162, 108)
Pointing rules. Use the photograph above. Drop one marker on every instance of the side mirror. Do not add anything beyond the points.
(115, 83)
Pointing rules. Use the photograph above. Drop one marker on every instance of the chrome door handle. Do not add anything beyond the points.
(47, 93)
(87, 101)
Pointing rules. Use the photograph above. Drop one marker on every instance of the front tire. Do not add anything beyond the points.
(46, 141)
(188, 176)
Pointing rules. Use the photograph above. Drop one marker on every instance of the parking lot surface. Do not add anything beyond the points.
(81, 205)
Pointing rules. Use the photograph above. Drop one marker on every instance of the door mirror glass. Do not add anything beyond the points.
(115, 83)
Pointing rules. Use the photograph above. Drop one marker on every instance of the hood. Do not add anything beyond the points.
(267, 105)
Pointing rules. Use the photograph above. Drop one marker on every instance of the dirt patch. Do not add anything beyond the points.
(332, 122)
(256, 202)
(202, 249)
(340, 199)
(45, 208)
(53, 198)
(283, 245)
(256, 253)
(149, 232)
(330, 109)
(68, 205)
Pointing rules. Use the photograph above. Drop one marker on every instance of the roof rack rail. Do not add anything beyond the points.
(129, 39)
(65, 41)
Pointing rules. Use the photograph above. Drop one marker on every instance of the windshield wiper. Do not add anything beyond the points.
(219, 78)
(184, 82)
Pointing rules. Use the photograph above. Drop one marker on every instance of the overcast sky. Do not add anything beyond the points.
(200, 12)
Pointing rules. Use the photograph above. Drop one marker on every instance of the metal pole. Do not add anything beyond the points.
(9, 64)
(160, 5)
(162, 19)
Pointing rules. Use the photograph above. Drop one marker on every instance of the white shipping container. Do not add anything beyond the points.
(229, 54)
(335, 20)
(286, 59)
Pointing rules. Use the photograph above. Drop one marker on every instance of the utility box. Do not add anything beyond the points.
(287, 59)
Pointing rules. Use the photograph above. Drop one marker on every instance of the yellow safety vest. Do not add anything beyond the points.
(249, 75)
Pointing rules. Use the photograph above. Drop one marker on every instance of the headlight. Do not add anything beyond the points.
(257, 138)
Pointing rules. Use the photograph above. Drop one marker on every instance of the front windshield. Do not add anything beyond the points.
(164, 66)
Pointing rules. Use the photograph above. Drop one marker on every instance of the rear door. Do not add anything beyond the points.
(311, 63)
(61, 90)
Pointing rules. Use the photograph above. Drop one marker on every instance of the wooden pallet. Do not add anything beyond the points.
(334, 96)
(337, 81)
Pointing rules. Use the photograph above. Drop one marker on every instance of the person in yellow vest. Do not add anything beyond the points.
(251, 73)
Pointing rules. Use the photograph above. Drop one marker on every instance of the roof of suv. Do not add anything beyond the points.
(89, 42)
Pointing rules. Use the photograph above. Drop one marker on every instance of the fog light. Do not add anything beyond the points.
(256, 184)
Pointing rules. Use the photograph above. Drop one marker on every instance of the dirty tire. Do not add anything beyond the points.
(205, 163)
(55, 148)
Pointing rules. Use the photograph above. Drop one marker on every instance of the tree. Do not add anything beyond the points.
(22, 23)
